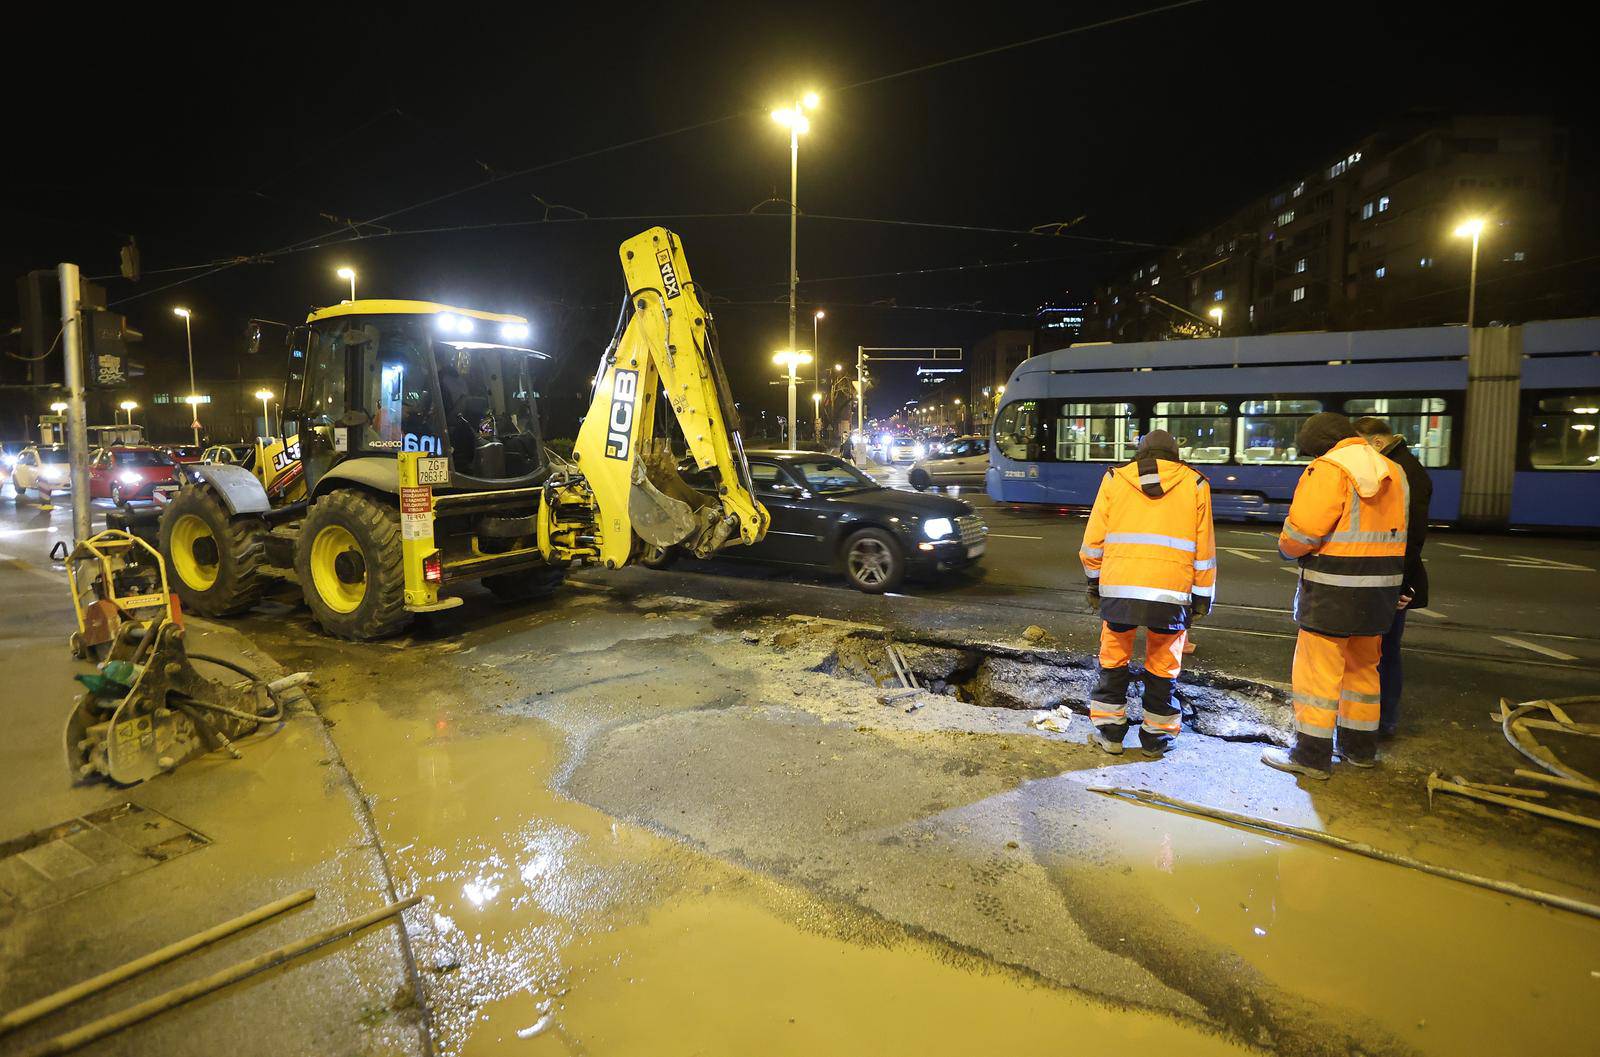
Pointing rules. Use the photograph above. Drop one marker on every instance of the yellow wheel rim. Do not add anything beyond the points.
(189, 531)
(336, 594)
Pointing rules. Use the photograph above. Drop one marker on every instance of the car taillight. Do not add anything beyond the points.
(433, 568)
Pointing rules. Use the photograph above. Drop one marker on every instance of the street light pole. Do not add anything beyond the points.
(792, 359)
(794, 119)
(265, 395)
(77, 426)
(350, 274)
(816, 365)
(194, 405)
(1473, 228)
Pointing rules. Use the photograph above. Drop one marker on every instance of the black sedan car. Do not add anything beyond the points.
(827, 514)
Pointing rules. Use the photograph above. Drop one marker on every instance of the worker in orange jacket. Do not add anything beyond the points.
(1347, 528)
(1149, 554)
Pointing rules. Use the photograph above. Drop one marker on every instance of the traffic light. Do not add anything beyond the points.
(106, 334)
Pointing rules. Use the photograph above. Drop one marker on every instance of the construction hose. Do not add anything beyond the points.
(255, 680)
(1537, 752)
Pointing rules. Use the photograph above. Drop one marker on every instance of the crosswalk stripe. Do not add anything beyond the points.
(1535, 647)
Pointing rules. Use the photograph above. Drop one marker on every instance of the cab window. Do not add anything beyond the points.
(768, 476)
(1017, 432)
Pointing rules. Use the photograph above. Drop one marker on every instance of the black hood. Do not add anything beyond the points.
(903, 503)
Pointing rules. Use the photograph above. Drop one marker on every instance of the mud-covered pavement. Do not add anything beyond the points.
(655, 823)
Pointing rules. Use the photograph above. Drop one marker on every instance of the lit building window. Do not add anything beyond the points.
(161, 398)
(1299, 189)
(1366, 211)
(1383, 203)
(1156, 279)
(1425, 262)
(1252, 313)
(1300, 265)
(1216, 295)
(1380, 271)
(1519, 255)
(1286, 217)
(1299, 294)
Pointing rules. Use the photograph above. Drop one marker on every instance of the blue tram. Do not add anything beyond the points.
(1503, 417)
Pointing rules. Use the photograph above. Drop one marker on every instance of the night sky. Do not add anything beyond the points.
(211, 134)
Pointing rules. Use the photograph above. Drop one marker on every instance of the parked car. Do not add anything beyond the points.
(230, 455)
(123, 473)
(41, 467)
(826, 514)
(184, 452)
(963, 461)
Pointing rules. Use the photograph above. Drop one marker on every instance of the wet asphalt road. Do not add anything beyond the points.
(640, 831)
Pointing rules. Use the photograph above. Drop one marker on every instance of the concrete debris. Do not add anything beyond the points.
(1058, 721)
(1004, 683)
(1039, 636)
(750, 636)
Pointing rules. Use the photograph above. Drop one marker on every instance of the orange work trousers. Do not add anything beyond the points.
(1336, 683)
(1163, 660)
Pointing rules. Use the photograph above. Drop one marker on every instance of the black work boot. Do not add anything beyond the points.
(1311, 757)
(1153, 744)
(1109, 737)
(1358, 748)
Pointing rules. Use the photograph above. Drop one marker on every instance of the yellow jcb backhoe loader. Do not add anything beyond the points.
(416, 461)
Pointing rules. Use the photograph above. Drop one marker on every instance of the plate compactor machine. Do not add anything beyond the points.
(410, 457)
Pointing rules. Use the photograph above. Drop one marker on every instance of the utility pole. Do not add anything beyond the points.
(861, 388)
(77, 428)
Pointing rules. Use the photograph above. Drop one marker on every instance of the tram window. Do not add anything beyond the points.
(1564, 433)
(1267, 429)
(1096, 433)
(1016, 431)
(1203, 428)
(1421, 420)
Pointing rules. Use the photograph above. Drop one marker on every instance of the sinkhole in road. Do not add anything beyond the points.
(992, 675)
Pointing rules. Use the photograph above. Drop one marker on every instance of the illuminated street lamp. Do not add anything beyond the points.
(265, 395)
(350, 274)
(794, 119)
(791, 359)
(58, 407)
(188, 334)
(130, 407)
(1472, 229)
(1216, 314)
(816, 347)
(816, 415)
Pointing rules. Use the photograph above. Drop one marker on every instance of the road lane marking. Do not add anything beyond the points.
(1241, 552)
(1459, 546)
(1535, 647)
(1524, 561)
(1424, 611)
(1293, 570)
(1008, 536)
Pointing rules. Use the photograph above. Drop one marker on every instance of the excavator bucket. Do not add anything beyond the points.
(665, 510)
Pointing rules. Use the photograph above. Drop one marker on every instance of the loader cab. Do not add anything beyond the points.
(369, 379)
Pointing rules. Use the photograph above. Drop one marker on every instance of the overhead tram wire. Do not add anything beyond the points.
(641, 140)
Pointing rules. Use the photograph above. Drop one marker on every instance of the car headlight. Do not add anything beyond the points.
(938, 528)
(883, 441)
(9, 460)
(129, 477)
(919, 450)
(54, 473)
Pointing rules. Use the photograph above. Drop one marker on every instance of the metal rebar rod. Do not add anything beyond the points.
(1441, 786)
(66, 996)
(99, 1029)
(1550, 899)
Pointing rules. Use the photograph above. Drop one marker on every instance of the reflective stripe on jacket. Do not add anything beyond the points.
(1149, 544)
(1347, 527)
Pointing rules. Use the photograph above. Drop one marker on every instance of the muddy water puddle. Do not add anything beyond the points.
(1444, 967)
(555, 929)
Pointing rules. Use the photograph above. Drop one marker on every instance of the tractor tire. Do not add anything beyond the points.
(216, 563)
(526, 585)
(348, 561)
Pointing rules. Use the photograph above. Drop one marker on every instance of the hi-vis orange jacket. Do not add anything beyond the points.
(1347, 526)
(1149, 546)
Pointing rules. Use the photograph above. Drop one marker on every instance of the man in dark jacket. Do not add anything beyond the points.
(1414, 595)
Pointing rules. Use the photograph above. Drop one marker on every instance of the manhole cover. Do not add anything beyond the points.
(52, 865)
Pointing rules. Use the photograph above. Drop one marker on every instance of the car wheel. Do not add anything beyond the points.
(873, 561)
(117, 499)
(920, 480)
(17, 490)
(653, 557)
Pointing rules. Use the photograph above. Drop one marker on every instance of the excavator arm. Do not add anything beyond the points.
(666, 351)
